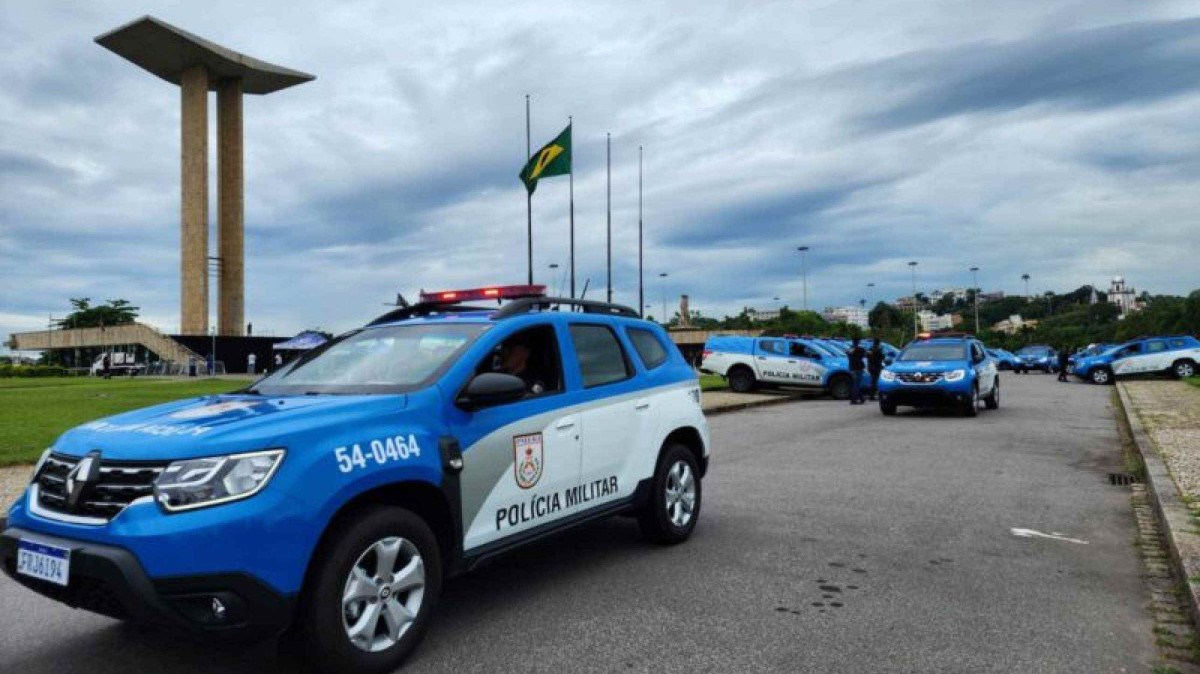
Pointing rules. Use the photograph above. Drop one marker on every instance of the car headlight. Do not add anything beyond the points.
(196, 483)
(955, 375)
(887, 375)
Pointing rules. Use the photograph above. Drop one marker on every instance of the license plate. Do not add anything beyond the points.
(44, 562)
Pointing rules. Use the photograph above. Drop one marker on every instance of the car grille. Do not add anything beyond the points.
(119, 484)
(919, 377)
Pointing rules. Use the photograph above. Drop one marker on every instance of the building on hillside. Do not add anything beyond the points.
(991, 296)
(905, 303)
(931, 322)
(849, 314)
(1014, 324)
(1123, 296)
(957, 294)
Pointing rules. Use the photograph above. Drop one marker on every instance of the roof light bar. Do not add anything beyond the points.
(488, 293)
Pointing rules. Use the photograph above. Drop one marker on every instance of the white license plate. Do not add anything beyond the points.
(42, 561)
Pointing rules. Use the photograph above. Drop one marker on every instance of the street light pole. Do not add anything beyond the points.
(975, 296)
(663, 276)
(916, 320)
(553, 278)
(1025, 278)
(804, 273)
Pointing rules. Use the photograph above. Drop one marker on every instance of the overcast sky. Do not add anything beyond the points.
(1059, 139)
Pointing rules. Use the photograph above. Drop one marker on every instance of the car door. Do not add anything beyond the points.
(518, 457)
(1127, 360)
(985, 369)
(770, 361)
(806, 366)
(1157, 356)
(617, 414)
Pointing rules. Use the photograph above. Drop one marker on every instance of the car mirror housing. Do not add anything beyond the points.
(490, 388)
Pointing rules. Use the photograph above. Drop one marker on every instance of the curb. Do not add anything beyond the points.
(1175, 516)
(737, 407)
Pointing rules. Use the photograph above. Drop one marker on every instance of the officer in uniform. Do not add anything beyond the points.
(857, 365)
(1064, 354)
(875, 365)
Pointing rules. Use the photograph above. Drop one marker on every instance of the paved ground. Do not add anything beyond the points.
(833, 539)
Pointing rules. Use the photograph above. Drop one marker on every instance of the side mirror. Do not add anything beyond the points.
(889, 360)
(490, 388)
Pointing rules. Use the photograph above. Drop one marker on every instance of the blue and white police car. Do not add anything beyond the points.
(943, 371)
(1036, 357)
(1177, 356)
(1005, 360)
(329, 500)
(750, 362)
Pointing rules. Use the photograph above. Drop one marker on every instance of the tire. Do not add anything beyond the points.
(1102, 376)
(741, 379)
(666, 518)
(887, 407)
(992, 401)
(839, 387)
(324, 620)
(971, 407)
(1182, 369)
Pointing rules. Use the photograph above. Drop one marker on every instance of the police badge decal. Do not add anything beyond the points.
(527, 459)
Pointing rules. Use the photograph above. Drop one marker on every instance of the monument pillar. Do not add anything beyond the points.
(231, 303)
(193, 253)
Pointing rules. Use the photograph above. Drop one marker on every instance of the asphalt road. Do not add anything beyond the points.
(832, 539)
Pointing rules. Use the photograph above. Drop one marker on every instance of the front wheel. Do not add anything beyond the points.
(1102, 376)
(887, 407)
(993, 400)
(372, 593)
(971, 407)
(1183, 369)
(674, 506)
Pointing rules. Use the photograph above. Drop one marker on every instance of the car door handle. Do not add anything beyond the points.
(564, 424)
(642, 405)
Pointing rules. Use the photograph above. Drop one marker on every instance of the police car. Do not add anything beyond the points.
(1036, 357)
(1005, 360)
(750, 362)
(941, 372)
(1174, 356)
(329, 500)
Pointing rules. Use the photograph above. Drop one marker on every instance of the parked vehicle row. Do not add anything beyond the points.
(748, 363)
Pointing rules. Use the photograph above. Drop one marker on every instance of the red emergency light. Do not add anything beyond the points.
(488, 293)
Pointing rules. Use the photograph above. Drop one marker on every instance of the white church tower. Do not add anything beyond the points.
(1122, 295)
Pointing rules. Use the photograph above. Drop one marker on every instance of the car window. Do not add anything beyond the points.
(531, 354)
(921, 352)
(648, 348)
(1157, 346)
(1178, 343)
(773, 346)
(601, 358)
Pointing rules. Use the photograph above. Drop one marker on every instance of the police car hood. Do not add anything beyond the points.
(223, 424)
(926, 365)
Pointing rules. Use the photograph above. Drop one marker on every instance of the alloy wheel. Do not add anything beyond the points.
(680, 493)
(383, 594)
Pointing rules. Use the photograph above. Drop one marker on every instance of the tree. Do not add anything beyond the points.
(114, 312)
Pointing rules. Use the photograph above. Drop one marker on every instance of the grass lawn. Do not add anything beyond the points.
(712, 382)
(33, 412)
(1194, 381)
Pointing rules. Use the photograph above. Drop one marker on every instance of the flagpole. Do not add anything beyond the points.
(608, 153)
(641, 291)
(571, 176)
(528, 201)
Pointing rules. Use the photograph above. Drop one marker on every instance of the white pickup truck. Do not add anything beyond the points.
(119, 363)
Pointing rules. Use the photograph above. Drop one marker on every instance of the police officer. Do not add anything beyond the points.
(857, 365)
(1064, 353)
(875, 365)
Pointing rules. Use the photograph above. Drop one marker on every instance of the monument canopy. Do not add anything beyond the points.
(167, 51)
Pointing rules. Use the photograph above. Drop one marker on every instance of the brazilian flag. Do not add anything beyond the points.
(554, 159)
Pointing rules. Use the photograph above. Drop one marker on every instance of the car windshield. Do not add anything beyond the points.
(390, 359)
(834, 349)
(924, 352)
(1034, 351)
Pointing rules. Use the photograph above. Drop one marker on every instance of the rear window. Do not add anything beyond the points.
(648, 348)
(601, 358)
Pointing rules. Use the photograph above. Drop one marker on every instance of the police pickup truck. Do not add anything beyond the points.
(750, 362)
(329, 500)
(1176, 356)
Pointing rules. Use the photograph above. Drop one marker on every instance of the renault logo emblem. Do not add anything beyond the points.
(82, 477)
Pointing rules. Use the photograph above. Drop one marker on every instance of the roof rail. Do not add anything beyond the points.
(529, 304)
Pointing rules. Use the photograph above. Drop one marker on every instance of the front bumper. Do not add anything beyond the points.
(925, 395)
(109, 580)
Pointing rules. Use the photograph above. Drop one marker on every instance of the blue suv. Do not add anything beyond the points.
(953, 372)
(1036, 357)
(329, 500)
(1175, 356)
